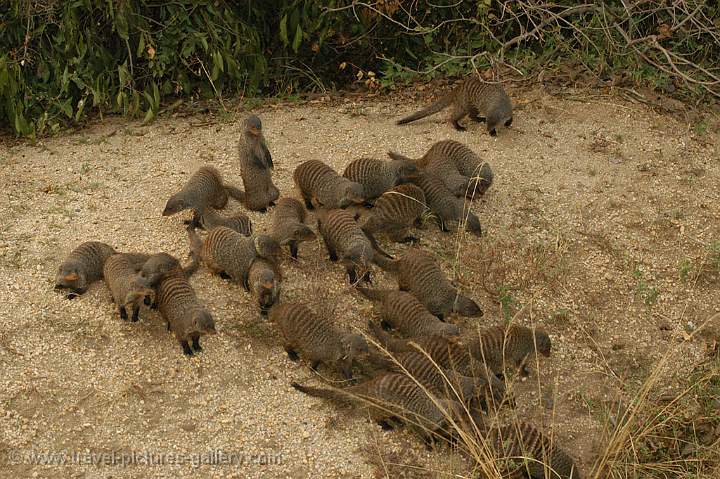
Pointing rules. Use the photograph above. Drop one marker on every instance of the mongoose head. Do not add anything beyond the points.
(473, 224)
(542, 341)
(175, 204)
(449, 329)
(405, 171)
(302, 233)
(266, 247)
(267, 290)
(252, 126)
(155, 269)
(496, 118)
(354, 345)
(351, 193)
(484, 180)
(465, 306)
(203, 322)
(71, 277)
(137, 295)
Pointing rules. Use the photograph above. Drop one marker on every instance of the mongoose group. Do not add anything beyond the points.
(414, 367)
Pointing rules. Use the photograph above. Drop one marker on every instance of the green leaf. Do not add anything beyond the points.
(298, 38)
(283, 30)
(121, 26)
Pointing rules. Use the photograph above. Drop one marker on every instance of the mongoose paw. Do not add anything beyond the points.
(186, 348)
(292, 355)
(366, 278)
(410, 239)
(493, 132)
(385, 325)
(168, 325)
(458, 126)
(385, 425)
(294, 250)
(147, 301)
(508, 123)
(72, 295)
(196, 345)
(272, 203)
(309, 205)
(224, 275)
(441, 317)
(314, 365)
(123, 314)
(154, 305)
(136, 316)
(333, 257)
(368, 204)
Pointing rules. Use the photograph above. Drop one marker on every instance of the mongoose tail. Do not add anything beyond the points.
(386, 264)
(398, 157)
(433, 108)
(236, 193)
(373, 294)
(332, 394)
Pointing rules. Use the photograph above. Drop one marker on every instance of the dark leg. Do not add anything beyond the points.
(224, 275)
(385, 425)
(508, 123)
(293, 249)
(314, 365)
(492, 132)
(332, 253)
(308, 204)
(385, 325)
(147, 301)
(272, 203)
(186, 348)
(136, 313)
(442, 225)
(366, 278)
(262, 210)
(72, 295)
(292, 355)
(168, 325)
(475, 116)
(410, 239)
(457, 115)
(352, 275)
(347, 371)
(123, 313)
(368, 204)
(154, 305)
(196, 344)
(441, 317)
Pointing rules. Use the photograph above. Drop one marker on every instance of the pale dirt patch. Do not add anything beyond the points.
(595, 207)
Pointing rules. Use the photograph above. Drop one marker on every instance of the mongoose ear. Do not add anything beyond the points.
(72, 277)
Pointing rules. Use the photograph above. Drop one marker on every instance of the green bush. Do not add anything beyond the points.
(60, 60)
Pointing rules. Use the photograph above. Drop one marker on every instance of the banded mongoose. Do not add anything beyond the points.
(160, 265)
(288, 227)
(395, 212)
(483, 102)
(530, 452)
(204, 189)
(513, 346)
(180, 307)
(320, 185)
(82, 267)
(441, 381)
(209, 218)
(119, 272)
(419, 273)
(264, 280)
(462, 171)
(316, 338)
(256, 166)
(446, 207)
(447, 352)
(394, 397)
(230, 254)
(378, 176)
(402, 311)
(345, 241)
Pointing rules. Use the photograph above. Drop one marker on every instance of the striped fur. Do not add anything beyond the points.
(240, 222)
(403, 312)
(320, 185)
(288, 227)
(316, 338)
(395, 212)
(500, 346)
(481, 101)
(446, 207)
(82, 267)
(183, 312)
(419, 273)
(204, 189)
(531, 452)
(264, 280)
(377, 176)
(119, 272)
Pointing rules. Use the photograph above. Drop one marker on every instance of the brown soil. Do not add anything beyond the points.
(599, 226)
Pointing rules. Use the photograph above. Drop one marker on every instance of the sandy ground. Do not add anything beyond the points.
(597, 209)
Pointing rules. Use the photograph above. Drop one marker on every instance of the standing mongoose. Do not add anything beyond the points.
(345, 240)
(83, 266)
(264, 280)
(378, 176)
(288, 227)
(316, 338)
(230, 254)
(320, 185)
(402, 311)
(209, 218)
(473, 97)
(393, 397)
(395, 212)
(500, 346)
(160, 265)
(419, 273)
(442, 382)
(446, 207)
(204, 189)
(180, 307)
(531, 453)
(463, 172)
(256, 165)
(119, 273)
